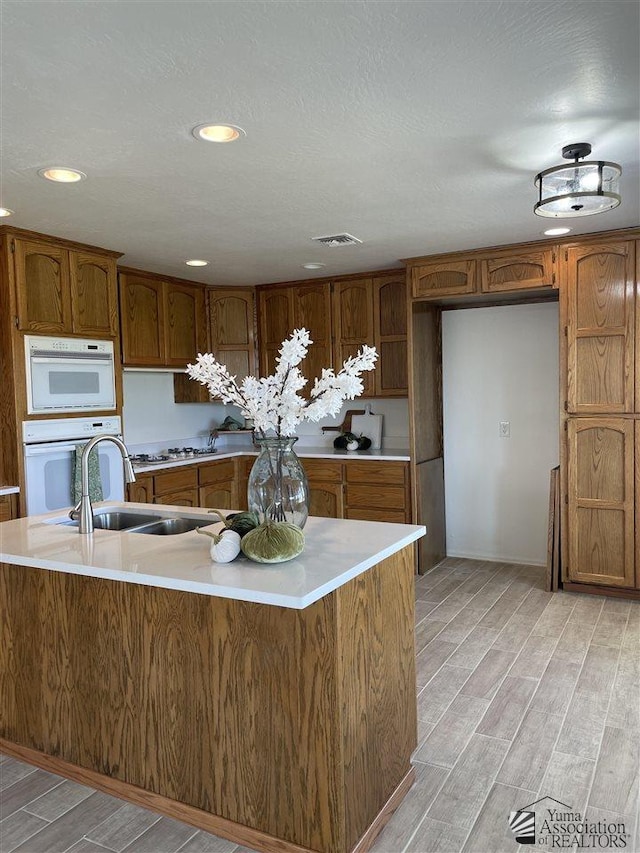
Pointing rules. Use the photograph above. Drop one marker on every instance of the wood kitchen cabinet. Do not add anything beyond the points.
(390, 335)
(231, 329)
(600, 464)
(326, 497)
(217, 485)
(141, 491)
(377, 491)
(484, 272)
(510, 271)
(63, 291)
(600, 328)
(353, 321)
(163, 323)
(8, 507)
(444, 278)
(281, 310)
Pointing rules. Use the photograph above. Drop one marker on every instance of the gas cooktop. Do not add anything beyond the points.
(173, 454)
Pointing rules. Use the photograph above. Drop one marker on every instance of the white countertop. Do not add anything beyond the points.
(336, 551)
(384, 454)
(9, 490)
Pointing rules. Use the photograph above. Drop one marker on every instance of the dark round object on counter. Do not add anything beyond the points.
(364, 443)
(340, 443)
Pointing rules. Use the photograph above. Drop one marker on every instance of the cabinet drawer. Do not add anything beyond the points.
(322, 470)
(173, 481)
(376, 472)
(181, 497)
(378, 497)
(391, 516)
(216, 472)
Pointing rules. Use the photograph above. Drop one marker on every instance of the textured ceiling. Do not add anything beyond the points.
(416, 126)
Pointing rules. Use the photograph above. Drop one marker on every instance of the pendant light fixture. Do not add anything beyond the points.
(581, 189)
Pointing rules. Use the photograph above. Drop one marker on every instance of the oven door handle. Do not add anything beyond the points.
(98, 360)
(57, 447)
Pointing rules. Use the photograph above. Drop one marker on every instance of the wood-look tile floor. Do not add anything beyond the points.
(521, 694)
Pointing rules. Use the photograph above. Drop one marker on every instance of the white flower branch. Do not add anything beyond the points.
(273, 402)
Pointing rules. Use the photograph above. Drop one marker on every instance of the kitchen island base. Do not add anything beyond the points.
(280, 729)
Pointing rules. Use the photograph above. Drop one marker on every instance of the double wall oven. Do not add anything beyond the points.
(68, 376)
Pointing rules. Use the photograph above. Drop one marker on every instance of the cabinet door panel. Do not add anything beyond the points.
(142, 320)
(312, 311)
(276, 324)
(218, 496)
(216, 472)
(176, 479)
(42, 281)
(185, 324)
(517, 272)
(601, 501)
(93, 295)
(390, 315)
(326, 500)
(141, 491)
(454, 278)
(354, 324)
(600, 330)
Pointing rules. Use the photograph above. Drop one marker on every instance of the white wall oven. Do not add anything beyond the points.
(69, 375)
(50, 460)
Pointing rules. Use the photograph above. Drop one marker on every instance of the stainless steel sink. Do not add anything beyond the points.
(117, 520)
(155, 524)
(172, 526)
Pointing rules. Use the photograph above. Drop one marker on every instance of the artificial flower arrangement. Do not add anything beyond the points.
(273, 402)
(277, 491)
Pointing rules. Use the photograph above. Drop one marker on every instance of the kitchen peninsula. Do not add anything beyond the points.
(272, 705)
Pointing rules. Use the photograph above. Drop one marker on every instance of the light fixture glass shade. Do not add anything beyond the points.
(578, 189)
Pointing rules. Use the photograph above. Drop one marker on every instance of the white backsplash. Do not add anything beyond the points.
(152, 421)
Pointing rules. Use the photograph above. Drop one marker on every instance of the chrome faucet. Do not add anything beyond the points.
(84, 511)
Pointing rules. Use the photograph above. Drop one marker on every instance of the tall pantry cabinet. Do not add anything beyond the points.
(602, 405)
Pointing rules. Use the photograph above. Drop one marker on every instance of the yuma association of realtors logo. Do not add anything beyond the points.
(565, 829)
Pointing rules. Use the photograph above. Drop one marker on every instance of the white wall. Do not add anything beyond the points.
(500, 364)
(151, 416)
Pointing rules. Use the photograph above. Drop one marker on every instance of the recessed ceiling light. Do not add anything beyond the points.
(4, 211)
(196, 263)
(556, 232)
(313, 266)
(62, 175)
(218, 132)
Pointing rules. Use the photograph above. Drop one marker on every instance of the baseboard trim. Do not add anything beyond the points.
(491, 558)
(216, 825)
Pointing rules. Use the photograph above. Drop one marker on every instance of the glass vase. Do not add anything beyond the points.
(278, 488)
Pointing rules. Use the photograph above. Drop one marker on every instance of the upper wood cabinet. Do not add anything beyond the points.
(484, 272)
(341, 317)
(231, 329)
(276, 322)
(163, 323)
(281, 310)
(600, 328)
(142, 317)
(519, 271)
(185, 323)
(600, 464)
(353, 320)
(390, 335)
(444, 278)
(63, 291)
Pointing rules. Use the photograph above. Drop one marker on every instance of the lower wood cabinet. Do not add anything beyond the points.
(325, 487)
(367, 490)
(601, 511)
(8, 507)
(217, 488)
(377, 491)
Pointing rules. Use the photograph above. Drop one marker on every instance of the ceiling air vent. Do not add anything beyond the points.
(338, 240)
